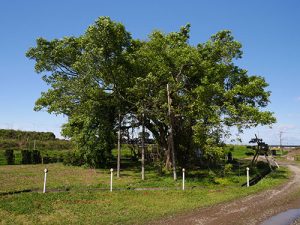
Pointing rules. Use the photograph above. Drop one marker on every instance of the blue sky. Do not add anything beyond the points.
(269, 31)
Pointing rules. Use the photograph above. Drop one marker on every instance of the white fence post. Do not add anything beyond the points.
(183, 178)
(247, 176)
(111, 178)
(45, 180)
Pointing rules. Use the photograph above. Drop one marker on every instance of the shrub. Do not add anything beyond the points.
(26, 157)
(222, 181)
(73, 158)
(46, 159)
(227, 169)
(212, 176)
(36, 157)
(61, 157)
(10, 157)
(53, 159)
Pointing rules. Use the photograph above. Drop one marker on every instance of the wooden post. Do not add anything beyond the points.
(171, 133)
(183, 179)
(111, 178)
(45, 180)
(248, 184)
(119, 147)
(143, 147)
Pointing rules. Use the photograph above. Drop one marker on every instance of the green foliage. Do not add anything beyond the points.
(26, 157)
(11, 144)
(227, 169)
(26, 135)
(73, 159)
(47, 159)
(47, 156)
(10, 157)
(104, 72)
(213, 154)
(94, 136)
(51, 150)
(36, 157)
(16, 144)
(223, 181)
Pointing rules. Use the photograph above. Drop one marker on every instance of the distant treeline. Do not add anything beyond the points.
(26, 135)
(21, 140)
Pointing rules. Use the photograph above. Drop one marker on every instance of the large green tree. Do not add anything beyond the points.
(209, 92)
(105, 72)
(87, 76)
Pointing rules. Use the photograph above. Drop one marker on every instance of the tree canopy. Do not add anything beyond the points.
(105, 72)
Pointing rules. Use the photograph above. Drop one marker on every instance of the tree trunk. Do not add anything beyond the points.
(143, 148)
(119, 147)
(171, 138)
(168, 155)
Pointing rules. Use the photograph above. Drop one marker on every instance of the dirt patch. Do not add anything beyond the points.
(250, 210)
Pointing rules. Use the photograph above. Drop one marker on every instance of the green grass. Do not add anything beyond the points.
(126, 151)
(239, 151)
(281, 152)
(60, 176)
(85, 204)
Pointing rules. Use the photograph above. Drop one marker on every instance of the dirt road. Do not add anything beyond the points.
(250, 210)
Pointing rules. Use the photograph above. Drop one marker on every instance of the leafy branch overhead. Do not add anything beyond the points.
(105, 71)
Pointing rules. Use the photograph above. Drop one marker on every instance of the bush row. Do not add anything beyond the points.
(10, 144)
(10, 157)
(33, 157)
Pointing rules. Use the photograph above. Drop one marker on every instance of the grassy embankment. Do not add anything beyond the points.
(86, 203)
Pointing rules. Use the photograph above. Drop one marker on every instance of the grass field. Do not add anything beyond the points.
(21, 177)
(85, 203)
